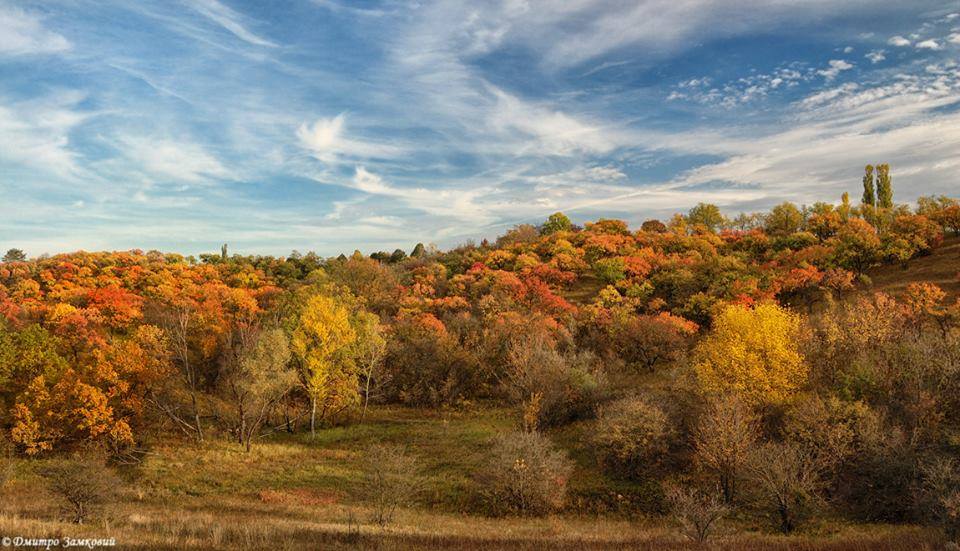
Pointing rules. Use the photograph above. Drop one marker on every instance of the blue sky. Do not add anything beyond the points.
(330, 125)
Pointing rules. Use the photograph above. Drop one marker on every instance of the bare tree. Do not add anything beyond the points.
(697, 510)
(177, 320)
(83, 481)
(787, 479)
(391, 479)
(724, 438)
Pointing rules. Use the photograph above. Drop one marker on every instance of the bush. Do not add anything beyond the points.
(525, 474)
(84, 481)
(426, 366)
(698, 511)
(939, 495)
(565, 386)
(390, 479)
(631, 434)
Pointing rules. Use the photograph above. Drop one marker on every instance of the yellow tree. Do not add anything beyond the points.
(322, 341)
(753, 352)
(369, 350)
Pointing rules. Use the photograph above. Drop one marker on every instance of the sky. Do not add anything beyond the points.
(329, 125)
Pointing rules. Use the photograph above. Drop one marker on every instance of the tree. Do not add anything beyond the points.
(83, 481)
(653, 226)
(264, 376)
(15, 255)
(390, 478)
(787, 478)
(698, 511)
(753, 352)
(556, 222)
(869, 194)
(707, 215)
(724, 438)
(370, 349)
(321, 341)
(784, 219)
(884, 187)
(419, 251)
(631, 435)
(646, 341)
(856, 246)
(397, 256)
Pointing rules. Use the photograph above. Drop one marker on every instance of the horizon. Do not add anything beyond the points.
(333, 126)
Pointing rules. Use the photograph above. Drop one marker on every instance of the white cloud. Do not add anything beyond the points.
(836, 66)
(36, 133)
(173, 160)
(898, 41)
(554, 132)
(327, 141)
(929, 44)
(876, 56)
(954, 38)
(229, 20)
(23, 33)
(848, 49)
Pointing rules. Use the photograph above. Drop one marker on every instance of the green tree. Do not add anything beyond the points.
(884, 187)
(15, 255)
(869, 196)
(264, 377)
(557, 221)
(419, 251)
(784, 219)
(707, 215)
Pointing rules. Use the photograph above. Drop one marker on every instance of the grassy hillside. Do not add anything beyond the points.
(941, 267)
(295, 492)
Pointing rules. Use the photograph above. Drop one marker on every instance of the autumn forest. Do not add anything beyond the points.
(702, 378)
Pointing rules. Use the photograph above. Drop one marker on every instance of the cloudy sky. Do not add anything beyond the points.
(330, 125)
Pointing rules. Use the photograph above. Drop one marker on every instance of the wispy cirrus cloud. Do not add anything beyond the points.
(23, 33)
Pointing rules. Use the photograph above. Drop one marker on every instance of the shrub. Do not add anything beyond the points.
(939, 495)
(426, 366)
(83, 481)
(566, 386)
(631, 434)
(525, 474)
(390, 479)
(698, 511)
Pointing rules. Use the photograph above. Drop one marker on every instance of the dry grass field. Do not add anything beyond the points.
(298, 492)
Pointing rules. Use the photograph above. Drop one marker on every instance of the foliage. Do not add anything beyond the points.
(753, 352)
(632, 435)
(322, 341)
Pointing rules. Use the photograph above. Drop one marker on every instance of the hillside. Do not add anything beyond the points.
(941, 267)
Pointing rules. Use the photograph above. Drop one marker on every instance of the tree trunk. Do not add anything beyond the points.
(196, 416)
(313, 416)
(366, 397)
